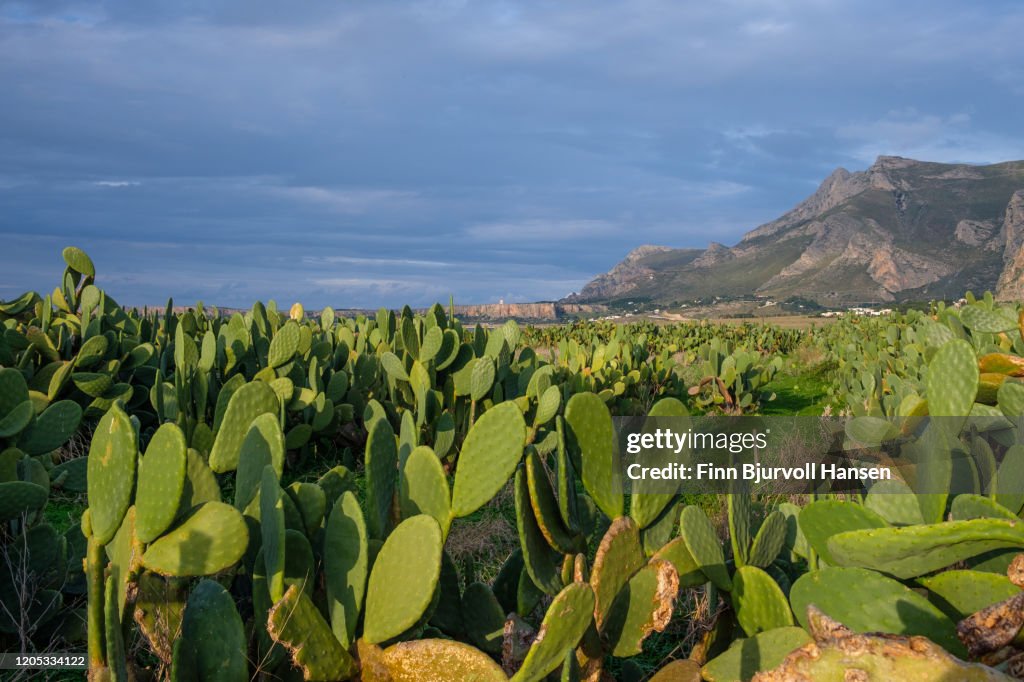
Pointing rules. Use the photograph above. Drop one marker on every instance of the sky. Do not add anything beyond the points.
(358, 154)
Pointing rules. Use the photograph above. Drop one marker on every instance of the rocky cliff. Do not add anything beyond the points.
(901, 229)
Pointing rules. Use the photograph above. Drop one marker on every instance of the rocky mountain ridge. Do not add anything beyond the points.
(901, 229)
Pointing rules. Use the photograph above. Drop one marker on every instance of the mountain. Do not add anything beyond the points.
(900, 230)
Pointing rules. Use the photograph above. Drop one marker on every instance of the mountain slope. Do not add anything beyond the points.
(902, 229)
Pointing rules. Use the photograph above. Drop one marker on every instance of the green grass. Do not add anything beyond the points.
(64, 510)
(799, 391)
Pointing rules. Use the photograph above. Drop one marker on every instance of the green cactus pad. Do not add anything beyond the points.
(263, 444)
(311, 502)
(112, 460)
(865, 601)
(403, 579)
(272, 531)
(489, 456)
(894, 501)
(545, 507)
(680, 670)
(209, 541)
(748, 656)
(970, 506)
(346, 562)
(542, 562)
(482, 378)
(17, 497)
(647, 507)
(704, 546)
(915, 550)
(161, 481)
(483, 617)
(381, 474)
(424, 488)
(447, 615)
(768, 542)
(591, 426)
(643, 606)
(71, 475)
(1008, 483)
(200, 483)
(79, 261)
(246, 403)
(619, 556)
(567, 619)
(295, 623)
(437, 660)
(284, 345)
(506, 584)
(820, 520)
(952, 380)
(689, 572)
(13, 390)
(961, 593)
(17, 419)
(212, 643)
(758, 601)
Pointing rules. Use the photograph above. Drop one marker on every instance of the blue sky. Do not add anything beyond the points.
(368, 153)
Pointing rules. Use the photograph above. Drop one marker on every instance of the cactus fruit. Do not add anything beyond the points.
(758, 601)
(403, 579)
(591, 427)
(838, 654)
(915, 550)
(870, 602)
(246, 403)
(489, 456)
(564, 624)
(212, 539)
(212, 642)
(161, 482)
(704, 547)
(346, 562)
(112, 461)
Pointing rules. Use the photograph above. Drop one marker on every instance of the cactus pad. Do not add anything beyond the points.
(564, 624)
(866, 601)
(758, 601)
(643, 606)
(915, 550)
(112, 460)
(212, 642)
(296, 623)
(161, 481)
(489, 456)
(820, 520)
(346, 561)
(704, 546)
(437, 660)
(591, 426)
(209, 541)
(747, 656)
(424, 488)
(403, 579)
(245, 404)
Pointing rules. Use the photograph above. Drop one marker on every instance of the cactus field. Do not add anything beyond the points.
(272, 495)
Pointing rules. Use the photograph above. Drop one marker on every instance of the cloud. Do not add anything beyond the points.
(116, 183)
(538, 229)
(930, 137)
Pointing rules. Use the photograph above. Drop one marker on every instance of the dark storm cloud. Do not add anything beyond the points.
(380, 153)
